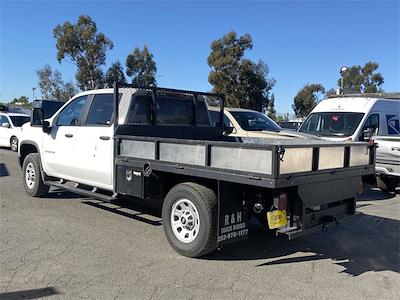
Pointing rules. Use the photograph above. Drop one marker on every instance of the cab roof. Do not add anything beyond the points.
(11, 114)
(356, 103)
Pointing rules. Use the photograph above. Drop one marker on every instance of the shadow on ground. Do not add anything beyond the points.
(30, 294)
(376, 194)
(3, 170)
(369, 243)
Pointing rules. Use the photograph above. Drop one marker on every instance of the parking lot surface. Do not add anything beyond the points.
(70, 247)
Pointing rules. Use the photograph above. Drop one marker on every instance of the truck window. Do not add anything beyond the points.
(372, 122)
(254, 121)
(214, 115)
(18, 121)
(333, 124)
(69, 116)
(101, 110)
(3, 119)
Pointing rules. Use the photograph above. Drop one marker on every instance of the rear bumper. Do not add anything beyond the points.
(293, 233)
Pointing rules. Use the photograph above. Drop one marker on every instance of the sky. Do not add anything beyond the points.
(301, 41)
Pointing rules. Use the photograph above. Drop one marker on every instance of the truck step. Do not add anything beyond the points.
(78, 190)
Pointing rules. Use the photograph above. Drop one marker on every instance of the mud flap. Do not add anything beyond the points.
(232, 214)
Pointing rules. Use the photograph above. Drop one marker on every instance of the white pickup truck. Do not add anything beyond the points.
(159, 146)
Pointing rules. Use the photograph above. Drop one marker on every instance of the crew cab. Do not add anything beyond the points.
(10, 128)
(158, 146)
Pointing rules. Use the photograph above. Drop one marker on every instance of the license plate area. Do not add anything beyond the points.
(276, 218)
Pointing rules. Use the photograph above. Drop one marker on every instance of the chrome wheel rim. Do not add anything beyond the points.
(185, 220)
(30, 175)
(14, 144)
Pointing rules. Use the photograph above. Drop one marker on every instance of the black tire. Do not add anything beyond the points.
(388, 184)
(205, 202)
(33, 186)
(14, 143)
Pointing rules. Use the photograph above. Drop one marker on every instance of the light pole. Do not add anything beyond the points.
(33, 93)
(342, 71)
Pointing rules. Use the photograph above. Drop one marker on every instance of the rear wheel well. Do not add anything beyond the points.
(26, 149)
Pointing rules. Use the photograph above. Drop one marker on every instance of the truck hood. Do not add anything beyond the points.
(284, 134)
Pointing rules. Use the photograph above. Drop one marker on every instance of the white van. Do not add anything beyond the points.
(358, 117)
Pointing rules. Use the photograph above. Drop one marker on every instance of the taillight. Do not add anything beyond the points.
(280, 202)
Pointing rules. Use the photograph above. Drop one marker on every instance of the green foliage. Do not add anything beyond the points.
(52, 85)
(244, 83)
(23, 101)
(141, 66)
(307, 98)
(331, 92)
(86, 48)
(362, 79)
(271, 108)
(115, 74)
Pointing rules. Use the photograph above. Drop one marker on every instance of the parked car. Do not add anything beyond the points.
(362, 117)
(10, 128)
(158, 146)
(290, 125)
(253, 124)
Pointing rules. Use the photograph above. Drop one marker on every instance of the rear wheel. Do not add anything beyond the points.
(14, 143)
(189, 216)
(32, 177)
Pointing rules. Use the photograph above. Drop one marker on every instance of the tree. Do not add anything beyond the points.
(115, 73)
(271, 108)
(141, 66)
(52, 85)
(244, 83)
(307, 98)
(331, 92)
(23, 101)
(362, 79)
(84, 47)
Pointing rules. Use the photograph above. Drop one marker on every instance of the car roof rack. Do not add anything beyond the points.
(390, 95)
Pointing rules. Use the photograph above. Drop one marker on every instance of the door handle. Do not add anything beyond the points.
(69, 135)
(104, 138)
(395, 148)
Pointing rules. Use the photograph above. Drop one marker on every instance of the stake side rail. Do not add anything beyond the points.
(200, 158)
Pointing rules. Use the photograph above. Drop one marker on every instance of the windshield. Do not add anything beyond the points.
(341, 124)
(254, 121)
(18, 121)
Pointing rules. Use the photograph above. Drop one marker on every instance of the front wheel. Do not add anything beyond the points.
(189, 217)
(14, 144)
(32, 177)
(388, 184)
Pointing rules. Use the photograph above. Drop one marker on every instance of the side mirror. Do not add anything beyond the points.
(46, 127)
(6, 125)
(229, 130)
(368, 134)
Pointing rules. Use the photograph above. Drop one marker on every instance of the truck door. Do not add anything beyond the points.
(5, 132)
(94, 143)
(59, 153)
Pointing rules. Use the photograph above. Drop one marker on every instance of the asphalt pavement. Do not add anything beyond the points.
(70, 247)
